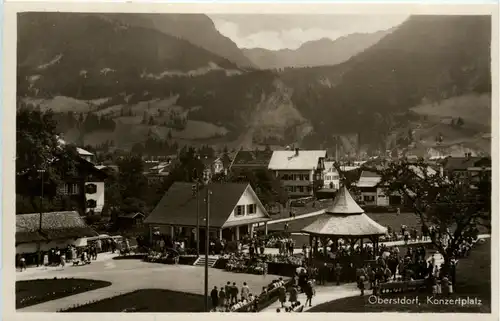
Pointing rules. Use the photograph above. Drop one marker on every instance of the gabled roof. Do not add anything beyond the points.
(178, 206)
(131, 215)
(344, 204)
(249, 158)
(344, 218)
(296, 160)
(368, 179)
(55, 225)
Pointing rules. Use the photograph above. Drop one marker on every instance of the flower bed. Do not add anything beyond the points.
(33, 292)
(276, 264)
(170, 258)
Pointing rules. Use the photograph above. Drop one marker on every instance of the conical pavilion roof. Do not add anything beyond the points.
(345, 218)
(344, 204)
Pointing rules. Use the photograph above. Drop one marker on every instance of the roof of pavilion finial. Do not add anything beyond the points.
(346, 219)
(344, 204)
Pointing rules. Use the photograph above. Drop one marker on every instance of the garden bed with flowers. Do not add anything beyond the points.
(243, 263)
(170, 257)
(33, 292)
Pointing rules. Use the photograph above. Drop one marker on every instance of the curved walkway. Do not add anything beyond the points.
(130, 275)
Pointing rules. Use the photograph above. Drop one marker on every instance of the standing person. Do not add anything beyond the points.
(406, 237)
(23, 263)
(282, 295)
(222, 297)
(338, 271)
(361, 281)
(309, 291)
(293, 294)
(245, 291)
(214, 295)
(227, 288)
(63, 260)
(234, 293)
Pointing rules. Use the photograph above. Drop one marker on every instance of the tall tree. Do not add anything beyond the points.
(456, 206)
(40, 154)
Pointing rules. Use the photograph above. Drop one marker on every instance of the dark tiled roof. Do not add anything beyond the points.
(178, 206)
(462, 163)
(55, 225)
(252, 158)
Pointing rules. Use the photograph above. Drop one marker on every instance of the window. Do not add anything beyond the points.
(368, 198)
(91, 204)
(251, 208)
(90, 188)
(240, 210)
(300, 189)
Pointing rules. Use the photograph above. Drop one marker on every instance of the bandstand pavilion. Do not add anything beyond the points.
(345, 220)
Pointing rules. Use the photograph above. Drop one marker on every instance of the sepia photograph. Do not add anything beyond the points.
(259, 163)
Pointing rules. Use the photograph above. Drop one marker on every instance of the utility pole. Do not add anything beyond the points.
(207, 248)
(197, 217)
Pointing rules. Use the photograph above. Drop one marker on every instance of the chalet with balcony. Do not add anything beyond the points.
(300, 171)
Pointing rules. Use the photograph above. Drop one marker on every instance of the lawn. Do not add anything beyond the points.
(147, 300)
(38, 291)
(473, 281)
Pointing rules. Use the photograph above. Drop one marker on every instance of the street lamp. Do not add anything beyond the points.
(207, 246)
(196, 193)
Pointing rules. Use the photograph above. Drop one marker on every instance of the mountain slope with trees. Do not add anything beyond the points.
(426, 60)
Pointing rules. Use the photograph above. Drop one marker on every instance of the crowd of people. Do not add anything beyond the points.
(231, 298)
(59, 257)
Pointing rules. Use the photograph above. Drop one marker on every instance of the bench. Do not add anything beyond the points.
(402, 286)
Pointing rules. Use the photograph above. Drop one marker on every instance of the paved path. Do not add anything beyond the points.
(131, 275)
(324, 294)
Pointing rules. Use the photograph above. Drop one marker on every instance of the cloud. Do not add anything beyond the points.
(291, 31)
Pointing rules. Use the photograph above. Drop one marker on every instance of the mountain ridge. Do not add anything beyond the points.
(369, 96)
(315, 53)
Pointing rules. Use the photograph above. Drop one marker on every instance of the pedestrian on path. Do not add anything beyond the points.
(338, 272)
(222, 297)
(23, 264)
(282, 295)
(309, 291)
(245, 291)
(234, 293)
(294, 292)
(214, 295)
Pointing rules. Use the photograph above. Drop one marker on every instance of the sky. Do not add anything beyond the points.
(274, 32)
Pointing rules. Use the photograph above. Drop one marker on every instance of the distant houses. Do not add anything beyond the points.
(300, 171)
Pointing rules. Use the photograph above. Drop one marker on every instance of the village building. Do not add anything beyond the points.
(50, 230)
(234, 209)
(158, 171)
(251, 159)
(300, 171)
(371, 193)
(467, 167)
(331, 178)
(215, 166)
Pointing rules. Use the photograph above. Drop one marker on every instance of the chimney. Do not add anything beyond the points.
(296, 152)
